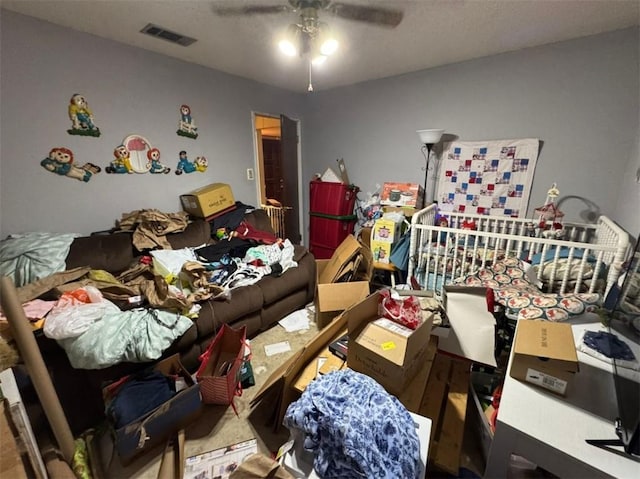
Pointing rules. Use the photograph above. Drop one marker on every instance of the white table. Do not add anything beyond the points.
(551, 430)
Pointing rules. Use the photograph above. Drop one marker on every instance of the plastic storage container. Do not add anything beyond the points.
(321, 252)
(330, 231)
(329, 198)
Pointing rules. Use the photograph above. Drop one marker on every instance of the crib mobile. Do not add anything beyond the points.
(549, 221)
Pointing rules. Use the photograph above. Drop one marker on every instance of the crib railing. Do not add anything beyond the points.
(441, 254)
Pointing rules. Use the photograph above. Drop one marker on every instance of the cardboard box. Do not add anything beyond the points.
(333, 298)
(544, 354)
(282, 379)
(165, 420)
(382, 349)
(401, 194)
(471, 332)
(288, 381)
(208, 200)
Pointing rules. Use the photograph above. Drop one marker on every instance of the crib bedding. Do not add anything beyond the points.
(551, 270)
(521, 299)
(588, 260)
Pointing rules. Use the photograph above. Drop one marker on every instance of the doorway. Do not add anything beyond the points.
(278, 178)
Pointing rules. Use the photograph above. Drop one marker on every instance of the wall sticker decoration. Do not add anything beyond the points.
(136, 155)
(184, 165)
(186, 126)
(154, 164)
(60, 161)
(201, 164)
(122, 161)
(81, 117)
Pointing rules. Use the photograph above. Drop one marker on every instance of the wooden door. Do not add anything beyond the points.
(272, 165)
(290, 197)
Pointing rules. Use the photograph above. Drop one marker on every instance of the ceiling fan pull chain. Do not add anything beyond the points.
(310, 87)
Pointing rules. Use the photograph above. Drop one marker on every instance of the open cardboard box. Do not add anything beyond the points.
(282, 381)
(382, 349)
(351, 259)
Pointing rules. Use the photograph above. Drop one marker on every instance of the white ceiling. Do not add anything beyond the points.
(432, 33)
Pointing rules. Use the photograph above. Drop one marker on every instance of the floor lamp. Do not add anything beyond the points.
(428, 138)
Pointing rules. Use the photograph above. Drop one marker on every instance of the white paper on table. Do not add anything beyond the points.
(277, 348)
(296, 321)
(472, 332)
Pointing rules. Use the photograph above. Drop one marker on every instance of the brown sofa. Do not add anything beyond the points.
(258, 306)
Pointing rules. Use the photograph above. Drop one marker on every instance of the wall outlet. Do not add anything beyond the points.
(250, 175)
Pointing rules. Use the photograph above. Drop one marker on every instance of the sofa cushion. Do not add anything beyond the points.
(197, 233)
(244, 300)
(110, 252)
(277, 287)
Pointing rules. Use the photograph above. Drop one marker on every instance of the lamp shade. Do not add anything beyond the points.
(430, 137)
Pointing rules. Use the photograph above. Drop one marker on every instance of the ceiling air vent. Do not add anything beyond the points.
(159, 32)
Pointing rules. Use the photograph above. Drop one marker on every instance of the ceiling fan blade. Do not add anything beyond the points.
(250, 9)
(386, 17)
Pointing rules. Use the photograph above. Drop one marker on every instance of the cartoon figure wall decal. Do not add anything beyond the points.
(122, 162)
(184, 165)
(81, 117)
(154, 162)
(201, 164)
(60, 161)
(187, 127)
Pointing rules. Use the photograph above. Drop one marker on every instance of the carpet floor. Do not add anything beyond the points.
(218, 426)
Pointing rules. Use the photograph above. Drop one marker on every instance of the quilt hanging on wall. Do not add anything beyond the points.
(491, 177)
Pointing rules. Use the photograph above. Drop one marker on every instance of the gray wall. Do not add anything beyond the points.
(130, 91)
(580, 98)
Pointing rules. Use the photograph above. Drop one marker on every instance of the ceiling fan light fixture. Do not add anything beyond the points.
(287, 47)
(329, 46)
(318, 60)
(290, 41)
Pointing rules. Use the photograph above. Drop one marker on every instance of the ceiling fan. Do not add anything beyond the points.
(310, 35)
(308, 9)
